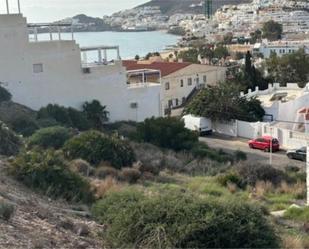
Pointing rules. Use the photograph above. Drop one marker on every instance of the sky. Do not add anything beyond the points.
(52, 10)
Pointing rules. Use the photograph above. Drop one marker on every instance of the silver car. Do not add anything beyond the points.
(299, 154)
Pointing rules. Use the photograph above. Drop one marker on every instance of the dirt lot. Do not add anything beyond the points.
(228, 144)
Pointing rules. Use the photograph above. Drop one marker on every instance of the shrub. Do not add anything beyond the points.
(47, 172)
(82, 167)
(166, 133)
(95, 113)
(5, 95)
(6, 210)
(252, 173)
(9, 142)
(105, 171)
(51, 137)
(230, 177)
(181, 221)
(240, 156)
(130, 175)
(24, 125)
(103, 187)
(52, 115)
(94, 147)
(201, 150)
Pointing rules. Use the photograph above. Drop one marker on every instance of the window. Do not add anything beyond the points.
(184, 100)
(283, 51)
(177, 102)
(197, 80)
(205, 78)
(170, 103)
(38, 68)
(189, 81)
(181, 83)
(167, 86)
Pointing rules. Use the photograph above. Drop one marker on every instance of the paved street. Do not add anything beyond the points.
(228, 144)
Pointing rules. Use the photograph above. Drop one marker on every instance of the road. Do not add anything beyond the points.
(228, 144)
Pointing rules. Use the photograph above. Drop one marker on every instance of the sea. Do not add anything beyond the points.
(130, 43)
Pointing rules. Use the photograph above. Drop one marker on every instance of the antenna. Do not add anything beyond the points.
(8, 7)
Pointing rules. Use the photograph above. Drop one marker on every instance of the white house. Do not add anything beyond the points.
(280, 47)
(41, 72)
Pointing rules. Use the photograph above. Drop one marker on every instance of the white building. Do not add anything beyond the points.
(41, 72)
(280, 47)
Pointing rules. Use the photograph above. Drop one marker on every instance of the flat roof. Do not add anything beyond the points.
(92, 48)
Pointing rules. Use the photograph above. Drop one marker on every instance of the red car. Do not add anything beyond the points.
(264, 143)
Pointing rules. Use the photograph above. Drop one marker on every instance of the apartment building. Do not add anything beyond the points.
(38, 73)
(281, 48)
(179, 80)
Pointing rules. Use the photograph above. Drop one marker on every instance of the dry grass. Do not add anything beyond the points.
(292, 242)
(261, 188)
(298, 190)
(232, 187)
(102, 187)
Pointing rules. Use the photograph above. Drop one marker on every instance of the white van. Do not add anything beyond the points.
(201, 125)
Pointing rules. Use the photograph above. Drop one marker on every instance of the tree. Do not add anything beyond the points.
(272, 30)
(289, 68)
(166, 133)
(206, 52)
(227, 39)
(95, 113)
(5, 95)
(137, 57)
(190, 55)
(256, 36)
(224, 103)
(221, 52)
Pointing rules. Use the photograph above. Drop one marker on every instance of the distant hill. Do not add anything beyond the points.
(170, 7)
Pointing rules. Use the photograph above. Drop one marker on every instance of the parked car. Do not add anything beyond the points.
(299, 154)
(264, 143)
(199, 124)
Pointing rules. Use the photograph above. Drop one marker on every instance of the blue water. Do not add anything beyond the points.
(130, 43)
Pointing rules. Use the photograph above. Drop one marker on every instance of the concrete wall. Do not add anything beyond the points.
(225, 128)
(62, 80)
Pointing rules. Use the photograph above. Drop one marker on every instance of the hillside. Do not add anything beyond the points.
(170, 7)
(39, 222)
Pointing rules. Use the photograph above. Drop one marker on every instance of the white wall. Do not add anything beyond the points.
(225, 128)
(62, 80)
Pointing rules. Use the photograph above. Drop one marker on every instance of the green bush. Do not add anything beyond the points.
(47, 172)
(94, 147)
(51, 137)
(69, 117)
(24, 125)
(231, 177)
(201, 151)
(181, 221)
(5, 95)
(95, 113)
(240, 156)
(6, 210)
(252, 173)
(9, 142)
(166, 133)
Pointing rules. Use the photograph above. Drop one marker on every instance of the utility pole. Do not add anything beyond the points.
(307, 172)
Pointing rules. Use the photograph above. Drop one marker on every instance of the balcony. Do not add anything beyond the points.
(97, 56)
(50, 31)
(143, 78)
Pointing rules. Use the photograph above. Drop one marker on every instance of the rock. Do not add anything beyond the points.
(66, 224)
(82, 245)
(81, 229)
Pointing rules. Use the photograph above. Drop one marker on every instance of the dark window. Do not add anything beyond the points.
(181, 83)
(189, 81)
(167, 86)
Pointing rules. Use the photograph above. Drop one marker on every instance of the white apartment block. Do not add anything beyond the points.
(281, 48)
(38, 73)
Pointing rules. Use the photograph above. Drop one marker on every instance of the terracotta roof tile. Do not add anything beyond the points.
(166, 68)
